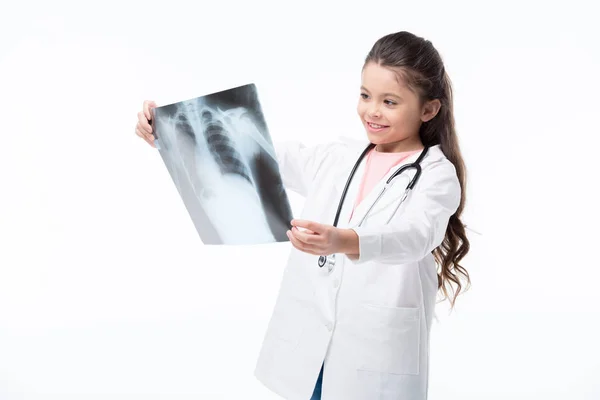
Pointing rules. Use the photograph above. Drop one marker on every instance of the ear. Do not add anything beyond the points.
(430, 109)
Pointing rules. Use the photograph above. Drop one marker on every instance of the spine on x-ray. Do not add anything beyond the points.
(222, 147)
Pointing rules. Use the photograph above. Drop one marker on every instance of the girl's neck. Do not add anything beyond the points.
(400, 147)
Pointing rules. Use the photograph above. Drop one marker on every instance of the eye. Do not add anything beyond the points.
(390, 102)
(364, 95)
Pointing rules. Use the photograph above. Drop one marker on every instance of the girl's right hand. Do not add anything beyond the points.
(143, 128)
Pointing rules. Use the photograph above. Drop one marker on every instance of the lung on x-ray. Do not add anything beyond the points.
(219, 153)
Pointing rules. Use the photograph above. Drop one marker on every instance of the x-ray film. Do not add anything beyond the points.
(219, 153)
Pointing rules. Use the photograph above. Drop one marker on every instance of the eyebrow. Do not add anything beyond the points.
(385, 94)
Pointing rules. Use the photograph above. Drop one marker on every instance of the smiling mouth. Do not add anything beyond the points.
(376, 126)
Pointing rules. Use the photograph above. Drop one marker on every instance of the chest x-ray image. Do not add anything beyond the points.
(219, 153)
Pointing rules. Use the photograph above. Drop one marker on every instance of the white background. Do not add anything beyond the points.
(106, 291)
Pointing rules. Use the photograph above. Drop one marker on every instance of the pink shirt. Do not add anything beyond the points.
(377, 166)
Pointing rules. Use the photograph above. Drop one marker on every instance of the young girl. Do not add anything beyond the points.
(356, 325)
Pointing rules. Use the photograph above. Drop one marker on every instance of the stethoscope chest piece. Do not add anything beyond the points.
(327, 260)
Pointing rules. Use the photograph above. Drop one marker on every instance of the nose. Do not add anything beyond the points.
(374, 111)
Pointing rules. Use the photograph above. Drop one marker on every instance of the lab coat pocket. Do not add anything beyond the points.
(391, 337)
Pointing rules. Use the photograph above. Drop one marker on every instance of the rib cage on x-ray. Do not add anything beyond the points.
(222, 147)
(218, 152)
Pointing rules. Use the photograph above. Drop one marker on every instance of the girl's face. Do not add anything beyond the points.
(390, 111)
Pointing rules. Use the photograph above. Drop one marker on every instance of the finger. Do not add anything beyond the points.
(305, 237)
(143, 136)
(307, 246)
(311, 225)
(299, 245)
(140, 132)
(308, 231)
(143, 122)
(148, 105)
(295, 242)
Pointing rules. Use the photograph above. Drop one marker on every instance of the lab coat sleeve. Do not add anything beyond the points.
(420, 227)
(299, 164)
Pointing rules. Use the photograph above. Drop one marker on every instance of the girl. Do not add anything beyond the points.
(358, 323)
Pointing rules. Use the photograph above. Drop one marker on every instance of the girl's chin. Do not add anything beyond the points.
(377, 138)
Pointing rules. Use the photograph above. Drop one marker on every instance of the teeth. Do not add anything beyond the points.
(376, 126)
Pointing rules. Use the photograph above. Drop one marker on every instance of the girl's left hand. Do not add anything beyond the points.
(318, 239)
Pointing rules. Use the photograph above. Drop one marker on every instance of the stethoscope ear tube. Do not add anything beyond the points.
(415, 178)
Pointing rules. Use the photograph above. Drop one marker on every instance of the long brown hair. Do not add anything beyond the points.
(420, 66)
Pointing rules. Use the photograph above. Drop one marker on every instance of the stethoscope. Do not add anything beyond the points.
(330, 260)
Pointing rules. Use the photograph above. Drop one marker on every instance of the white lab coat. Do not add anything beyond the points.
(369, 319)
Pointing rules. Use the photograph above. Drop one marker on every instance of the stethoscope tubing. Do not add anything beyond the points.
(323, 260)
